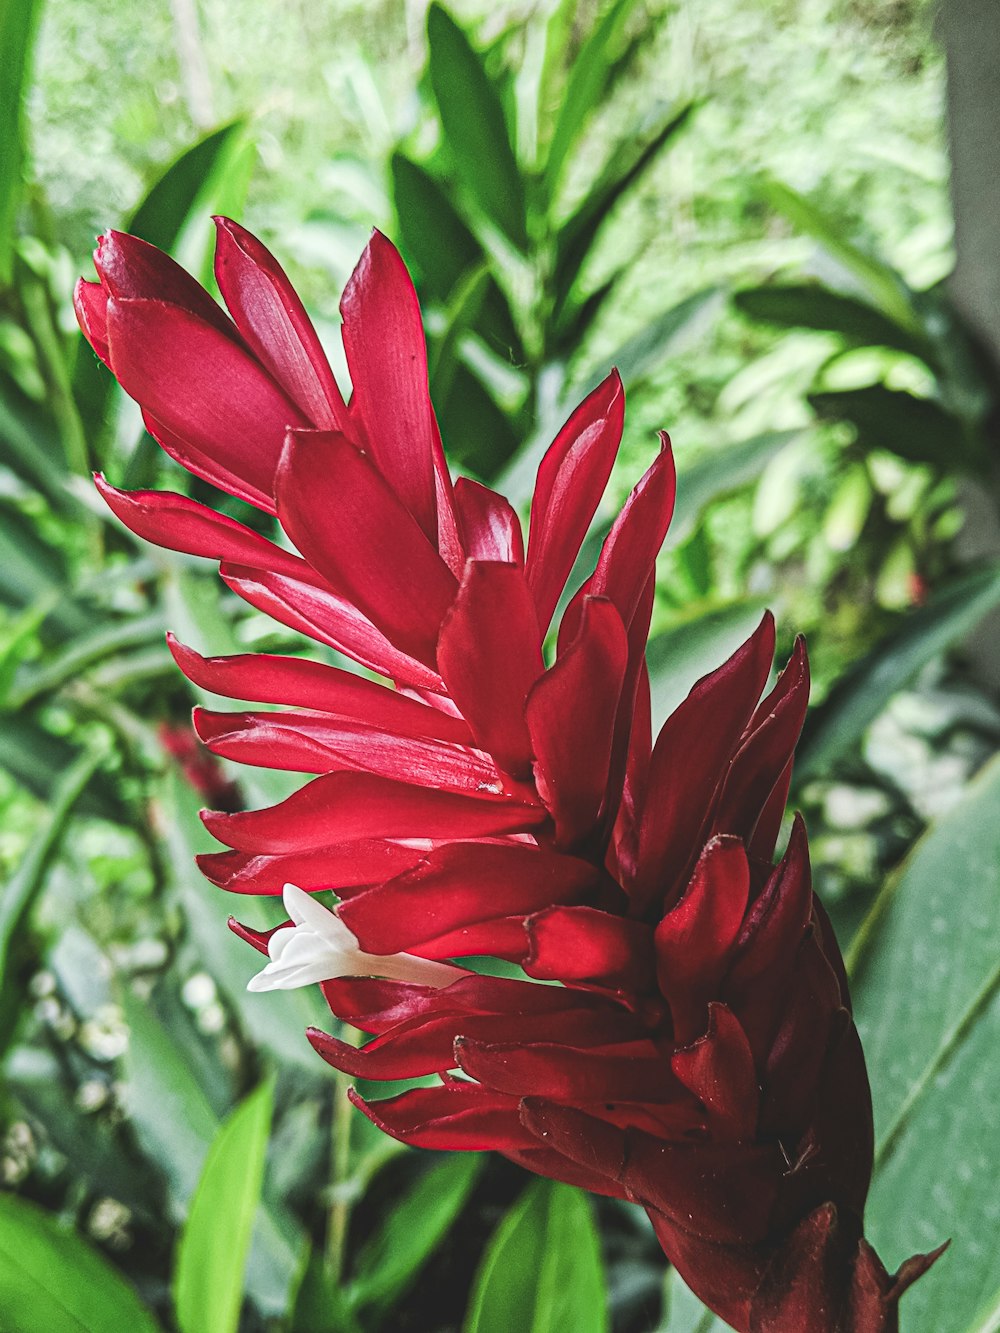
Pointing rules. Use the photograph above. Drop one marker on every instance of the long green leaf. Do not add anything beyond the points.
(917, 429)
(721, 472)
(542, 1271)
(587, 81)
(838, 724)
(83, 652)
(885, 286)
(432, 235)
(18, 24)
(51, 1279)
(683, 1311)
(411, 1232)
(37, 760)
(927, 999)
(213, 1246)
(474, 126)
(811, 306)
(646, 349)
(625, 166)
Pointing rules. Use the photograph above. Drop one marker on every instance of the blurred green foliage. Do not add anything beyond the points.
(745, 208)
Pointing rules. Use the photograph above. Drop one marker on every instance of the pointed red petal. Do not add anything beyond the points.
(489, 527)
(571, 480)
(461, 884)
(270, 679)
(583, 944)
(363, 805)
(457, 1116)
(129, 268)
(571, 738)
(387, 356)
(340, 868)
(274, 324)
(203, 388)
(181, 524)
(719, 1069)
(344, 517)
(90, 301)
(489, 656)
(632, 1072)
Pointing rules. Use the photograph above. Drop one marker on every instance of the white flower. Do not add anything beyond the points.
(318, 947)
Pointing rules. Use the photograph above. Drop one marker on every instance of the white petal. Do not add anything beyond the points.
(304, 910)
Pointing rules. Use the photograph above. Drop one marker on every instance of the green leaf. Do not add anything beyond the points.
(214, 1243)
(50, 1278)
(811, 306)
(927, 1000)
(411, 1232)
(885, 286)
(625, 166)
(37, 760)
(84, 651)
(542, 1271)
(31, 447)
(836, 727)
(477, 434)
(724, 470)
(917, 429)
(474, 126)
(18, 25)
(681, 655)
(432, 235)
(320, 1304)
(647, 349)
(587, 80)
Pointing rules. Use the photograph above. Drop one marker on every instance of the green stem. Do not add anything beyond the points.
(340, 1166)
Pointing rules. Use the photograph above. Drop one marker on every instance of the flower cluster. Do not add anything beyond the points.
(699, 1055)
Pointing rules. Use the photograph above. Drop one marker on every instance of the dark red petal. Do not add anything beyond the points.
(630, 1072)
(363, 805)
(316, 743)
(387, 357)
(203, 388)
(329, 618)
(457, 1116)
(489, 527)
(628, 556)
(571, 480)
(571, 717)
(719, 1069)
(180, 524)
(203, 463)
(489, 656)
(598, 1147)
(689, 761)
(460, 884)
(132, 268)
(90, 301)
(344, 517)
(695, 938)
(296, 681)
(625, 838)
(552, 1165)
(502, 937)
(367, 861)
(766, 751)
(274, 324)
(777, 921)
(582, 944)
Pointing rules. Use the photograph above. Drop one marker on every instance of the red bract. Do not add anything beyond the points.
(699, 1056)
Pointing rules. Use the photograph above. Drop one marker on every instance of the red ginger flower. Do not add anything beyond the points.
(699, 1056)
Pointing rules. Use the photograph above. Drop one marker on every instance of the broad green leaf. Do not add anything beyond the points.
(163, 214)
(719, 473)
(683, 1312)
(836, 727)
(927, 1000)
(625, 166)
(647, 349)
(51, 1279)
(678, 657)
(172, 1096)
(587, 80)
(411, 1232)
(885, 286)
(542, 1271)
(214, 1243)
(811, 306)
(320, 1305)
(477, 433)
(917, 429)
(474, 125)
(432, 235)
(18, 25)
(460, 317)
